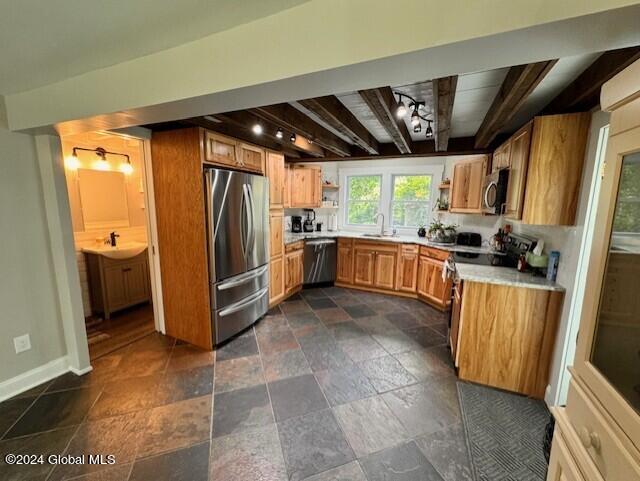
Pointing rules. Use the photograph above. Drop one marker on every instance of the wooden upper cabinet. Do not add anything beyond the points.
(519, 161)
(407, 268)
(466, 185)
(305, 187)
(251, 158)
(275, 171)
(344, 270)
(554, 174)
(501, 157)
(221, 150)
(286, 195)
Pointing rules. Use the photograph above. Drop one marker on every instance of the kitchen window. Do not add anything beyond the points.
(363, 199)
(404, 194)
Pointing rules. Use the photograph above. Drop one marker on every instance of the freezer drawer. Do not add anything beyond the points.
(232, 319)
(238, 287)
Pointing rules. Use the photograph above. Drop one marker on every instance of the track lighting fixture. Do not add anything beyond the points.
(279, 133)
(257, 129)
(429, 130)
(293, 137)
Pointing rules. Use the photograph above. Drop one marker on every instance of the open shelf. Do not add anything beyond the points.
(444, 186)
(330, 186)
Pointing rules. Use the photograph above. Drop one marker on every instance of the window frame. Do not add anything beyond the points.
(347, 200)
(428, 202)
(387, 172)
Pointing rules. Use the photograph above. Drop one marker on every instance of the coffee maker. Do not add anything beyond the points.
(296, 223)
(308, 222)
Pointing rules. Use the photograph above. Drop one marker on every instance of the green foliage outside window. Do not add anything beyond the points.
(410, 201)
(627, 216)
(364, 198)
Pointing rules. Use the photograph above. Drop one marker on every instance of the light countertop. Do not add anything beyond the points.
(290, 237)
(507, 276)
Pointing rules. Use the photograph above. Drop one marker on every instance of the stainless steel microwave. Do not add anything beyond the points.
(494, 192)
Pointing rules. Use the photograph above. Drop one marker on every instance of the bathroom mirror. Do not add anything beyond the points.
(103, 196)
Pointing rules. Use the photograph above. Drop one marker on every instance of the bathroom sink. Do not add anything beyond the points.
(126, 250)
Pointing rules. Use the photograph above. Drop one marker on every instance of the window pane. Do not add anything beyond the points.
(362, 212)
(628, 212)
(410, 203)
(364, 187)
(411, 187)
(363, 198)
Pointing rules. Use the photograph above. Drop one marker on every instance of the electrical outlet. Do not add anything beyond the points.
(22, 343)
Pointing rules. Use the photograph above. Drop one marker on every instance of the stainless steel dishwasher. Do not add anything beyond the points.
(319, 261)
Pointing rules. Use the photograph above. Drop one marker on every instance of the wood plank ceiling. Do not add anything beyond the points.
(363, 124)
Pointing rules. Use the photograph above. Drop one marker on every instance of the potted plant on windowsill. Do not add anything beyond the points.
(442, 233)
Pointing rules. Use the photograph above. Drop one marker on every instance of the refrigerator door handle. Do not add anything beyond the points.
(238, 306)
(239, 280)
(249, 220)
(252, 235)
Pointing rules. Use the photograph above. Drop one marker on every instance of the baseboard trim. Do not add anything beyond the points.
(80, 372)
(30, 379)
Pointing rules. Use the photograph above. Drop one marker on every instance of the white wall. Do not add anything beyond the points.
(28, 295)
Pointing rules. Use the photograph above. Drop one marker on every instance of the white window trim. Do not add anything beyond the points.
(387, 173)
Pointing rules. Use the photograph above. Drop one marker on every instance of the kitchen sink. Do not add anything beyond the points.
(126, 250)
(367, 234)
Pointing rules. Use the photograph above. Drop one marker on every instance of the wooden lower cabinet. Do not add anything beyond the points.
(375, 265)
(562, 467)
(407, 268)
(507, 334)
(276, 280)
(344, 269)
(293, 271)
(431, 287)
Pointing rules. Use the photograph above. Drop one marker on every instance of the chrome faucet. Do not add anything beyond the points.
(375, 217)
(112, 238)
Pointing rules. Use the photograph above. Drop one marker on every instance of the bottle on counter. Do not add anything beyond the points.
(552, 266)
(522, 263)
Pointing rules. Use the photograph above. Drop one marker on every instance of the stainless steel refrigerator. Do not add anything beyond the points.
(238, 237)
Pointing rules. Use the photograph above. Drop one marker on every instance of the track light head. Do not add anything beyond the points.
(415, 117)
(257, 128)
(279, 133)
(417, 128)
(429, 130)
(401, 109)
(293, 137)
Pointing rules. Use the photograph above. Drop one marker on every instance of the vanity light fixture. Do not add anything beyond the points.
(279, 133)
(72, 162)
(257, 128)
(101, 162)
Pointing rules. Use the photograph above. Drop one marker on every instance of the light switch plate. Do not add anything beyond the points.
(22, 343)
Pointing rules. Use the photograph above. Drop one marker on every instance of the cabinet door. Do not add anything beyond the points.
(501, 157)
(408, 268)
(136, 278)
(276, 228)
(385, 269)
(344, 271)
(519, 161)
(562, 467)
(286, 197)
(221, 150)
(275, 173)
(364, 266)
(456, 308)
(252, 158)
(115, 287)
(466, 186)
(306, 190)
(294, 270)
(276, 280)
(430, 283)
(424, 270)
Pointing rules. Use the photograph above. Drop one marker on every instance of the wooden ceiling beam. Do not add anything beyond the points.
(382, 103)
(423, 148)
(233, 130)
(517, 86)
(290, 118)
(583, 94)
(335, 114)
(444, 92)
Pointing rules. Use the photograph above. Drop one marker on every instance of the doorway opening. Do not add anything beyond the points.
(110, 209)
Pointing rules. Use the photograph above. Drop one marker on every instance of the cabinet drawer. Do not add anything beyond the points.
(410, 248)
(434, 253)
(294, 246)
(345, 242)
(376, 245)
(598, 439)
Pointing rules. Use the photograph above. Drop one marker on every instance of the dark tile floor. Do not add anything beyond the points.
(334, 384)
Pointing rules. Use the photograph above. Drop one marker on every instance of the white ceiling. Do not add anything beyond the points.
(45, 41)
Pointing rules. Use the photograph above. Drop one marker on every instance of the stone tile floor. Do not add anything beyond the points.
(334, 384)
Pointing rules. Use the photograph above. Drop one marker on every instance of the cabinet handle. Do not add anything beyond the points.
(590, 439)
(126, 269)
